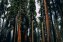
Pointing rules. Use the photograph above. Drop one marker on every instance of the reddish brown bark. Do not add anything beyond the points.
(47, 21)
(19, 33)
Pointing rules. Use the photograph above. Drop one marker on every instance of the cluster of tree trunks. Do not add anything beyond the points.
(27, 29)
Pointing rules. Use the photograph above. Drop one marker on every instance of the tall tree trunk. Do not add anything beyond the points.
(19, 26)
(19, 32)
(32, 30)
(43, 39)
(47, 21)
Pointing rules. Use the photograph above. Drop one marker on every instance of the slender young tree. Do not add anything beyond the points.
(32, 9)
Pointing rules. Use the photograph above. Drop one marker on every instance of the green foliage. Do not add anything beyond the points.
(14, 8)
(32, 6)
